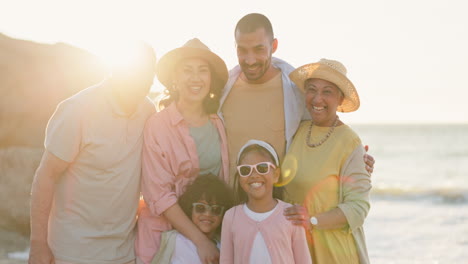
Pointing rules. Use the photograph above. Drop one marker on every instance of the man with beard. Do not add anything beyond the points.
(259, 100)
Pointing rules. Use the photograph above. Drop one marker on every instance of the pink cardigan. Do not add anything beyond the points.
(286, 242)
(170, 163)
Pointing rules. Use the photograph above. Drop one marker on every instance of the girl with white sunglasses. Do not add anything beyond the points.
(256, 230)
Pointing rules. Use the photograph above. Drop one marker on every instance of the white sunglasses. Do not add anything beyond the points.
(262, 168)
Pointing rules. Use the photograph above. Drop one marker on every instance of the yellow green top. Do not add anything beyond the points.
(314, 181)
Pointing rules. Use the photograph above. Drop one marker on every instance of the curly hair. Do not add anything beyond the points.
(210, 188)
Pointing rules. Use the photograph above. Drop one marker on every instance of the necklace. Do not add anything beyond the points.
(314, 145)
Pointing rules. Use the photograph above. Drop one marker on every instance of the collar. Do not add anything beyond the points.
(176, 117)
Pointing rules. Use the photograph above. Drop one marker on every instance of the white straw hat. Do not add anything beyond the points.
(334, 72)
(192, 48)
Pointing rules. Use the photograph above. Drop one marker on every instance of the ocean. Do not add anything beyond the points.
(419, 200)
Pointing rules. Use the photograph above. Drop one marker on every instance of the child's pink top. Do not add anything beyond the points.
(286, 242)
(170, 163)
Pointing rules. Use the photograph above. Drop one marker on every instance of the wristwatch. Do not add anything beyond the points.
(314, 221)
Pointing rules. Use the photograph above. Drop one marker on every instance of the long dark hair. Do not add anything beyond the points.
(239, 193)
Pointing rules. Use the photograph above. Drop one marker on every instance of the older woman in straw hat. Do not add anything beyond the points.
(324, 170)
(184, 140)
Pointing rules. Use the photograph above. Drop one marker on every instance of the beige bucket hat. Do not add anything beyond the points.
(193, 48)
(332, 71)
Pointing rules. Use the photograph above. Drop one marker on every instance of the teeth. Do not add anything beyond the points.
(196, 88)
(319, 108)
(256, 184)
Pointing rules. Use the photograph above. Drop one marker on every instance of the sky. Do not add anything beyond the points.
(407, 58)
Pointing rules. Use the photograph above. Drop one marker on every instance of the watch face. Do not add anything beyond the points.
(313, 220)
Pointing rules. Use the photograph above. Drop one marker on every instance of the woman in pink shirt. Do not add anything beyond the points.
(257, 231)
(184, 140)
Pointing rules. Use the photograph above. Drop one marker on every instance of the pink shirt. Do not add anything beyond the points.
(170, 163)
(286, 242)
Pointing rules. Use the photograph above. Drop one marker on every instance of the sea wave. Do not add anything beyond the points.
(444, 195)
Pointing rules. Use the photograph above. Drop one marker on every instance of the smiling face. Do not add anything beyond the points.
(258, 187)
(192, 80)
(322, 100)
(254, 51)
(206, 221)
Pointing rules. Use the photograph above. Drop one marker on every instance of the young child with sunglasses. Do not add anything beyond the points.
(256, 230)
(204, 202)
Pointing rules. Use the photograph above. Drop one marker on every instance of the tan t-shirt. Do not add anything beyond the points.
(254, 111)
(93, 215)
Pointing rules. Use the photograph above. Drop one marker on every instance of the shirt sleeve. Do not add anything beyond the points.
(299, 245)
(158, 181)
(64, 131)
(227, 245)
(355, 189)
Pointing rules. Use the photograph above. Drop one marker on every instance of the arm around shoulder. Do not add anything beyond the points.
(158, 180)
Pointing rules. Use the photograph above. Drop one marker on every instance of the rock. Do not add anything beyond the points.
(13, 248)
(17, 167)
(34, 78)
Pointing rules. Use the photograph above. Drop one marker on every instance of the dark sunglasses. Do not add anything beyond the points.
(214, 209)
(262, 168)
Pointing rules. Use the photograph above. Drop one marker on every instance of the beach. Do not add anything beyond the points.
(419, 201)
(11, 242)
